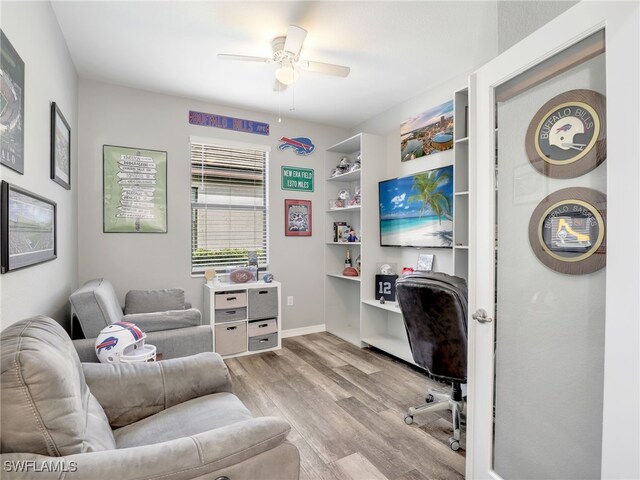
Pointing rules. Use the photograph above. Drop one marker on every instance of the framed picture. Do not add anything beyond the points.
(297, 218)
(12, 118)
(135, 190)
(427, 133)
(386, 287)
(28, 224)
(425, 262)
(567, 137)
(60, 148)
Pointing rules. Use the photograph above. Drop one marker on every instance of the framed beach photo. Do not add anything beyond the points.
(28, 225)
(60, 148)
(417, 210)
(297, 218)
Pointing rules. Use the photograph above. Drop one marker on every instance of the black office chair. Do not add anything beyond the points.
(434, 308)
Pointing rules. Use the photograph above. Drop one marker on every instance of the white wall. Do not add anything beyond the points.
(122, 116)
(33, 30)
(517, 19)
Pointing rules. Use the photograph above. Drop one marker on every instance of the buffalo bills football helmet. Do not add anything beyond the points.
(562, 133)
(123, 342)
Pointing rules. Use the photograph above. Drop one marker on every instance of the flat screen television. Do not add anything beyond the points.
(417, 210)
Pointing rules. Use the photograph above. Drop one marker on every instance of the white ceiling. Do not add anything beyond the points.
(396, 50)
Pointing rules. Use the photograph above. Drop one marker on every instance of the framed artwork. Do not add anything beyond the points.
(28, 224)
(567, 230)
(60, 148)
(427, 133)
(425, 262)
(417, 210)
(386, 287)
(567, 137)
(135, 190)
(12, 109)
(297, 218)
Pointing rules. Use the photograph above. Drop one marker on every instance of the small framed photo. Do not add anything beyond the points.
(60, 148)
(28, 225)
(297, 218)
(425, 262)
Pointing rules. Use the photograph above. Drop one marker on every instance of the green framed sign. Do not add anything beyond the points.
(299, 179)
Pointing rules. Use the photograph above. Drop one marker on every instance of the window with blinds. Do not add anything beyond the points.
(228, 206)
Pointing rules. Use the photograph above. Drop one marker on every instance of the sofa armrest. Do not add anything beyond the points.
(169, 320)
(181, 342)
(239, 450)
(151, 387)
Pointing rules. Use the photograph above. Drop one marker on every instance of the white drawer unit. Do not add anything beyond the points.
(246, 317)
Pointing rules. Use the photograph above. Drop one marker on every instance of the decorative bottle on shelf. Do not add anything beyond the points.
(347, 260)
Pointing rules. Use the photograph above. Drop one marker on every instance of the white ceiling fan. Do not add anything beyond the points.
(286, 53)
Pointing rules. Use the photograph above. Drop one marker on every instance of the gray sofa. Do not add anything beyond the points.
(170, 324)
(174, 419)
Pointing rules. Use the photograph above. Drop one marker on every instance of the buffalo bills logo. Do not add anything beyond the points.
(107, 344)
(300, 145)
(135, 331)
(564, 128)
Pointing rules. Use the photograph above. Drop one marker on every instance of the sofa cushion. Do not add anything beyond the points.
(96, 306)
(146, 301)
(47, 407)
(185, 419)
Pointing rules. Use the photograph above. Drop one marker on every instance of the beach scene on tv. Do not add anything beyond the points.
(427, 133)
(417, 210)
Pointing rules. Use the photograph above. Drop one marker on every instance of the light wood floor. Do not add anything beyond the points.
(346, 408)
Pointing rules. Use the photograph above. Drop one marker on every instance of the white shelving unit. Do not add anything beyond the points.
(461, 184)
(352, 313)
(344, 312)
(245, 317)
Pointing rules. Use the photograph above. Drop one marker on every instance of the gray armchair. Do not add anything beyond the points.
(169, 322)
(174, 419)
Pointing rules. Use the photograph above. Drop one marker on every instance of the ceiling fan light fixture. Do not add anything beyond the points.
(287, 73)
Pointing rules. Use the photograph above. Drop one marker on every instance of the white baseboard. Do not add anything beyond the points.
(296, 332)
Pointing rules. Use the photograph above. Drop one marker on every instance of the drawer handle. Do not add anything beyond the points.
(263, 325)
(262, 292)
(231, 298)
(230, 312)
(231, 328)
(264, 340)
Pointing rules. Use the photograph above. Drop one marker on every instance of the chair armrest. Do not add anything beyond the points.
(187, 457)
(172, 319)
(151, 387)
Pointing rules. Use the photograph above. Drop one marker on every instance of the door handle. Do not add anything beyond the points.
(481, 316)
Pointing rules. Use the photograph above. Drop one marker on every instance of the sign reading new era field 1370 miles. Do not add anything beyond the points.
(300, 179)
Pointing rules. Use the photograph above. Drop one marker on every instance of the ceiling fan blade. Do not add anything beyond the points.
(326, 68)
(295, 38)
(245, 58)
(278, 86)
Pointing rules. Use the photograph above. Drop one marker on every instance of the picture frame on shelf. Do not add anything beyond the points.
(297, 218)
(29, 229)
(134, 190)
(425, 262)
(60, 148)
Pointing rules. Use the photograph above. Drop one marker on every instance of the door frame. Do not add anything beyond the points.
(621, 412)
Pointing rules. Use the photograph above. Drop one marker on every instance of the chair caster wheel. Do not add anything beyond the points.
(408, 419)
(429, 399)
(454, 444)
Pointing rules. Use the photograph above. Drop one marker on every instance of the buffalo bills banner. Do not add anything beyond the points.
(228, 123)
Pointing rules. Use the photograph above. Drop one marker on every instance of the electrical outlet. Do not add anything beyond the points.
(290, 301)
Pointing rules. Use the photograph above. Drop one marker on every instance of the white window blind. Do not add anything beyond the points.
(228, 206)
